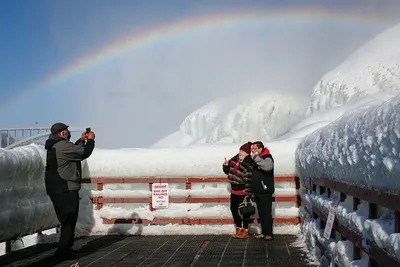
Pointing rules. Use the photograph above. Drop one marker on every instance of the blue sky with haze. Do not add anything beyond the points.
(167, 80)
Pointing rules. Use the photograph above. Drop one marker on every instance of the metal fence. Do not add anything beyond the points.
(13, 137)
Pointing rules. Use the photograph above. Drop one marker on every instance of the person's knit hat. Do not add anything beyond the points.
(246, 147)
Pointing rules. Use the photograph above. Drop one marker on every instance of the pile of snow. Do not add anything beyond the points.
(362, 147)
(374, 68)
(234, 120)
(193, 161)
(25, 208)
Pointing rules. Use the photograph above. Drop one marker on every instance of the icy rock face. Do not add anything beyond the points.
(374, 68)
(254, 117)
(25, 209)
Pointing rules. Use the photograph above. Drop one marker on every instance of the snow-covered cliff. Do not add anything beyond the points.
(263, 116)
(374, 68)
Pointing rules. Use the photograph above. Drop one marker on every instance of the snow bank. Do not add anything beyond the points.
(25, 208)
(193, 161)
(361, 147)
(374, 68)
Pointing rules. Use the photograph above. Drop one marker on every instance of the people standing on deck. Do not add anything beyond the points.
(63, 181)
(263, 187)
(239, 171)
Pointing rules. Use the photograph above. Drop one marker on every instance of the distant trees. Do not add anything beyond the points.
(4, 137)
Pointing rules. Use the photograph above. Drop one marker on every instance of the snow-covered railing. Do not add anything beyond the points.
(187, 195)
(25, 208)
(369, 219)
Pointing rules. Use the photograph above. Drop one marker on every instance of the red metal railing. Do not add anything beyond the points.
(99, 201)
(377, 255)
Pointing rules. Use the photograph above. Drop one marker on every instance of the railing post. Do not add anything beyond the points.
(397, 221)
(372, 214)
(188, 186)
(356, 250)
(8, 246)
(321, 190)
(99, 188)
(151, 192)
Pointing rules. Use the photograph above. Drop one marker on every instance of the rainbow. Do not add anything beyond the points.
(183, 27)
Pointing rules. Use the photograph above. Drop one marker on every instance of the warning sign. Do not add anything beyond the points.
(160, 196)
(331, 216)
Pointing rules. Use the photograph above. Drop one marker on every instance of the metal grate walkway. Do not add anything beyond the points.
(185, 251)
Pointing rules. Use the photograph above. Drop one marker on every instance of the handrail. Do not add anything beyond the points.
(377, 255)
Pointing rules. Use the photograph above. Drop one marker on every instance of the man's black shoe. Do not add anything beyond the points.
(74, 253)
(66, 254)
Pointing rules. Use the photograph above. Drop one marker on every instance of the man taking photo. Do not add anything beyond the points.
(263, 187)
(63, 181)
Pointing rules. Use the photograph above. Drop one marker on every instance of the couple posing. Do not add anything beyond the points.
(251, 174)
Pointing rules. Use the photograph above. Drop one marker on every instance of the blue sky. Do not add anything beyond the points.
(39, 37)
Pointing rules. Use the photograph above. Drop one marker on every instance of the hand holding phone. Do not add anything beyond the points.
(226, 163)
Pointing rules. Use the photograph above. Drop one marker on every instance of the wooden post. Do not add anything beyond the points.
(151, 190)
(397, 221)
(297, 182)
(372, 214)
(356, 250)
(372, 262)
(99, 188)
(356, 202)
(372, 211)
(321, 190)
(8, 246)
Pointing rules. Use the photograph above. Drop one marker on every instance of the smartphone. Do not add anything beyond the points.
(88, 130)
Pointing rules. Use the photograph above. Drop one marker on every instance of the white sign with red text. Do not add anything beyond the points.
(331, 216)
(329, 223)
(160, 196)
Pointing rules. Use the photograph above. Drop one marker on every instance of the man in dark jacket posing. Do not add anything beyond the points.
(263, 187)
(63, 181)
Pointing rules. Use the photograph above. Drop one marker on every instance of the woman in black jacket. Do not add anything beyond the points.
(239, 171)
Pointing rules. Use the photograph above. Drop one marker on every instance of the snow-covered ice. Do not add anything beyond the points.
(372, 69)
(361, 147)
(25, 208)
(262, 116)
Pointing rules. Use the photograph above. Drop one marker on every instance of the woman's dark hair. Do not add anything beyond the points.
(259, 144)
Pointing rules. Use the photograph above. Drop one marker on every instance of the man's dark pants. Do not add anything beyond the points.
(66, 205)
(264, 206)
